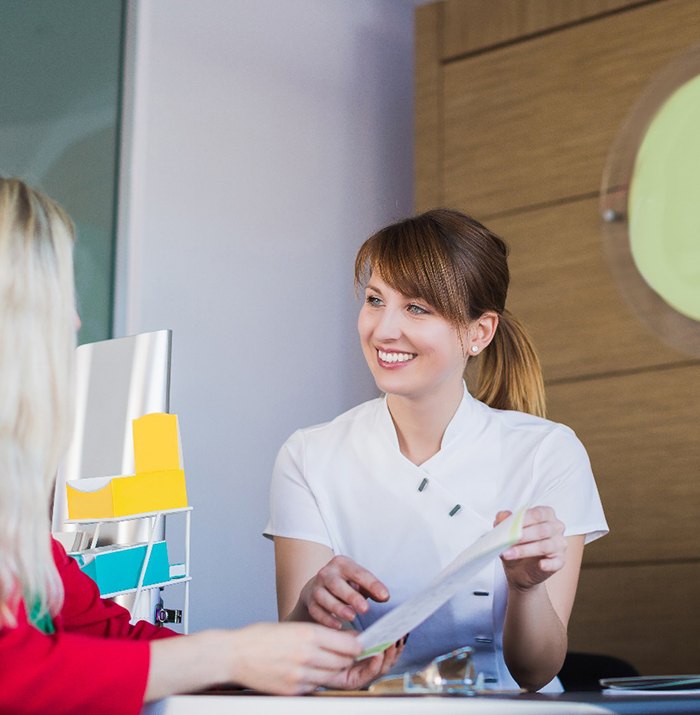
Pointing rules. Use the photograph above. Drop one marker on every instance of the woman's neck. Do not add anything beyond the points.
(421, 422)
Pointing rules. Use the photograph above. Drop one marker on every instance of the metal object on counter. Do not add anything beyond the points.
(450, 674)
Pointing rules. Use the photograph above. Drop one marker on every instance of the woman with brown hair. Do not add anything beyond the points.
(368, 508)
(63, 648)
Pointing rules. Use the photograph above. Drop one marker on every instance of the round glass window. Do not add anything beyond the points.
(650, 204)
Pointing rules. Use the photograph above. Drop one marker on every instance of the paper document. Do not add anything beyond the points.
(652, 685)
(454, 577)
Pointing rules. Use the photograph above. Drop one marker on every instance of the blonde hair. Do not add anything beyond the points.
(37, 345)
(460, 268)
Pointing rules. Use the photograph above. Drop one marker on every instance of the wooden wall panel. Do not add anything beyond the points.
(646, 615)
(565, 294)
(428, 84)
(524, 127)
(472, 25)
(533, 123)
(642, 433)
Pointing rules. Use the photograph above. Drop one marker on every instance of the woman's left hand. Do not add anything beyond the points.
(540, 552)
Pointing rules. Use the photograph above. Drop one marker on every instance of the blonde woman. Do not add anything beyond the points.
(366, 509)
(61, 646)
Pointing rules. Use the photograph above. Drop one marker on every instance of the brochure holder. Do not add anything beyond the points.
(157, 485)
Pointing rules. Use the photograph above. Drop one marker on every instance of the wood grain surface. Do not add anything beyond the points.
(533, 123)
(428, 88)
(646, 615)
(565, 293)
(472, 25)
(642, 433)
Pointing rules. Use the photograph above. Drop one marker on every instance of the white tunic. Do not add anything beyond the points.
(346, 485)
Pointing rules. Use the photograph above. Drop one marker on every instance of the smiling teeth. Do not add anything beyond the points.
(395, 357)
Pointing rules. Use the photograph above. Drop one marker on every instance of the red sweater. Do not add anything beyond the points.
(95, 662)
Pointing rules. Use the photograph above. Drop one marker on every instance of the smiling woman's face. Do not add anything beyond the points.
(410, 349)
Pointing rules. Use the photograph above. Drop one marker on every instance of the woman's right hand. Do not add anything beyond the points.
(340, 591)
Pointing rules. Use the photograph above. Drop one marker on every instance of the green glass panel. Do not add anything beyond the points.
(59, 118)
(664, 202)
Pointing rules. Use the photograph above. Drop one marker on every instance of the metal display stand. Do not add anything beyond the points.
(157, 519)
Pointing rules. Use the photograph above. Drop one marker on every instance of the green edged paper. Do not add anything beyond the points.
(453, 578)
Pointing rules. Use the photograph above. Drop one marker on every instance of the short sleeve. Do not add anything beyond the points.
(294, 511)
(564, 481)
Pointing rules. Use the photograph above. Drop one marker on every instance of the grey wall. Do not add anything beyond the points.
(265, 139)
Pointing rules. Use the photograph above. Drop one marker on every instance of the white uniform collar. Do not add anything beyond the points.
(463, 425)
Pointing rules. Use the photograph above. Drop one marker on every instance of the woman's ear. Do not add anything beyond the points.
(481, 332)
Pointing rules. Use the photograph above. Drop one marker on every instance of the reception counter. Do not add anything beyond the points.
(528, 704)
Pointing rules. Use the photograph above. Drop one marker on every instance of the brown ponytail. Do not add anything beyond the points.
(460, 267)
(509, 374)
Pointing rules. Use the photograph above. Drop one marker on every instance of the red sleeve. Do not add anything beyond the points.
(95, 662)
(71, 674)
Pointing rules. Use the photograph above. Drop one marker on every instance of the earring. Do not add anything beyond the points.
(475, 349)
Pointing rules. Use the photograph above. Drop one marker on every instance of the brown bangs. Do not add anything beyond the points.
(414, 258)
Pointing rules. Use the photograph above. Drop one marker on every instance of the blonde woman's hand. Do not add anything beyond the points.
(295, 658)
(279, 658)
(340, 591)
(365, 671)
(540, 552)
